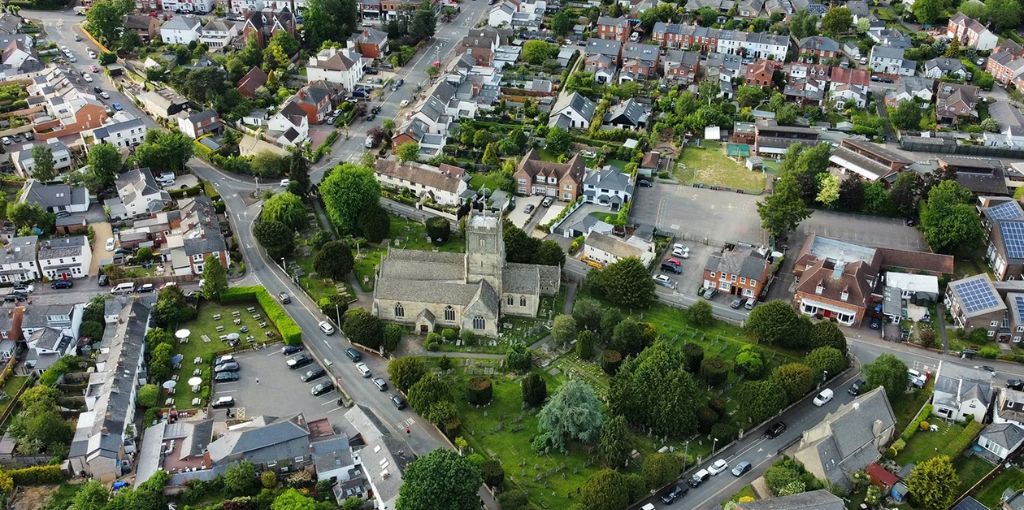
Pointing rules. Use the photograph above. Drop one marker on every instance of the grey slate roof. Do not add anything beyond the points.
(815, 500)
(272, 440)
(605, 47)
(20, 249)
(945, 64)
(957, 383)
(63, 247)
(970, 503)
(610, 179)
(577, 102)
(182, 23)
(613, 245)
(748, 264)
(1007, 435)
(630, 111)
(818, 43)
(331, 453)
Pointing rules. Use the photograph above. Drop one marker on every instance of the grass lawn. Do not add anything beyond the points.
(925, 445)
(412, 235)
(710, 166)
(990, 493)
(62, 498)
(971, 265)
(747, 491)
(205, 324)
(11, 388)
(366, 265)
(321, 287)
(971, 470)
(906, 408)
(490, 180)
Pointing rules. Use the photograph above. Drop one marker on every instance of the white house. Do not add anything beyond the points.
(337, 66)
(24, 162)
(889, 60)
(18, 260)
(139, 194)
(290, 126)
(217, 33)
(608, 187)
(445, 184)
(846, 92)
(961, 391)
(941, 67)
(55, 197)
(1009, 407)
(605, 249)
(65, 257)
(197, 6)
(119, 133)
(180, 30)
(572, 111)
(502, 13)
(1001, 439)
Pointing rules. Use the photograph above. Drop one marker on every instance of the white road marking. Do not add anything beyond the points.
(674, 227)
(328, 344)
(337, 409)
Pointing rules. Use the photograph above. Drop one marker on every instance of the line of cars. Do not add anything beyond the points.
(379, 382)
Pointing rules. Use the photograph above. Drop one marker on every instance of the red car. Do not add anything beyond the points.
(675, 262)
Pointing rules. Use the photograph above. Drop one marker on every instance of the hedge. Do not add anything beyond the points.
(38, 475)
(290, 331)
(914, 424)
(962, 441)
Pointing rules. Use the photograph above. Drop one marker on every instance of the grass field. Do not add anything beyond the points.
(205, 324)
(490, 180)
(971, 470)
(11, 388)
(990, 493)
(711, 167)
(925, 445)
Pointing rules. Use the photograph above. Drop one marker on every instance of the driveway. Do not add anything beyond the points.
(103, 232)
(518, 216)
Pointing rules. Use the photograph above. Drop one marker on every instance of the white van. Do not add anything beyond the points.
(123, 288)
(224, 402)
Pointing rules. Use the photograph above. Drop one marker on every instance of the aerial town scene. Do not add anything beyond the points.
(512, 254)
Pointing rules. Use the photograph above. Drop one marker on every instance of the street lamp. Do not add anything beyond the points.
(713, 446)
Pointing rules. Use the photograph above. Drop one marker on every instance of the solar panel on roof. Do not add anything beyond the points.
(976, 295)
(1013, 238)
(1005, 211)
(1020, 306)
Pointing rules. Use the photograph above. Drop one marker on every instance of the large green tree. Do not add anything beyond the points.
(536, 51)
(328, 20)
(105, 17)
(949, 219)
(1004, 14)
(759, 400)
(784, 209)
(42, 160)
(424, 21)
(292, 499)
(613, 447)
(837, 21)
(104, 165)
(347, 190)
(406, 371)
(334, 261)
(828, 334)
(906, 115)
(164, 150)
(172, 308)
(215, 278)
(440, 479)
(240, 479)
(91, 496)
(572, 414)
(776, 323)
(363, 327)
(287, 208)
(826, 361)
(930, 481)
(275, 237)
(889, 372)
(928, 11)
(796, 379)
(562, 23)
(654, 390)
(803, 24)
(625, 282)
(658, 469)
(606, 489)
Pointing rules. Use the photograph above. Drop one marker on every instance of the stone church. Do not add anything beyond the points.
(432, 290)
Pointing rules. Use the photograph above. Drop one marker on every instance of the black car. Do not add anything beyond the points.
(97, 90)
(226, 377)
(62, 284)
(353, 355)
(876, 323)
(299, 361)
(855, 387)
(103, 281)
(774, 430)
(288, 350)
(229, 366)
(1015, 384)
(398, 401)
(674, 493)
(322, 388)
(314, 373)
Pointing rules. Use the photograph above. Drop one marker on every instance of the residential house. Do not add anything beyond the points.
(1011, 126)
(961, 391)
(738, 272)
(869, 160)
(984, 177)
(444, 184)
(970, 33)
(629, 114)
(50, 333)
(773, 139)
(890, 60)
(55, 197)
(342, 67)
(816, 48)
(371, 43)
(197, 6)
(820, 499)
(383, 458)
(1005, 252)
(162, 103)
(889, 37)
(681, 66)
(846, 76)
(180, 30)
(1006, 63)
(534, 176)
(848, 440)
(616, 29)
(18, 260)
(25, 163)
(945, 67)
(650, 165)
(147, 27)
(280, 444)
(217, 34)
(1001, 439)
(761, 72)
(65, 257)
(138, 195)
(639, 62)
(68, 110)
(585, 226)
(253, 80)
(458, 95)
(315, 100)
(725, 68)
(720, 6)
(859, 9)
(602, 57)
(605, 249)
(750, 8)
(198, 238)
(119, 133)
(197, 124)
(264, 24)
(105, 434)
(572, 111)
(1009, 407)
(845, 94)
(17, 60)
(481, 45)
(608, 187)
(909, 88)
(798, 71)
(956, 102)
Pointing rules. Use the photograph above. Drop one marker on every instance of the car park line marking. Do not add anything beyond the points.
(336, 409)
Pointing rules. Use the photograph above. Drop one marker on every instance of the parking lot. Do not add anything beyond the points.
(518, 216)
(692, 276)
(699, 215)
(279, 391)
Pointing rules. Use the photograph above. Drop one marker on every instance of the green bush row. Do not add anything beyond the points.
(962, 441)
(291, 334)
(38, 475)
(325, 147)
(914, 424)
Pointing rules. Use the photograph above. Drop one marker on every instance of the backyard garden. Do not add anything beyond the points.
(709, 166)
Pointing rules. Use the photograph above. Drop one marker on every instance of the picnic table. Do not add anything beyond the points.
(216, 316)
(251, 309)
(169, 402)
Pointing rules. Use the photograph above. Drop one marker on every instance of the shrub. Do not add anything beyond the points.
(989, 352)
(38, 475)
(924, 425)
(268, 479)
(714, 370)
(915, 424)
(897, 447)
(478, 391)
(610, 361)
(724, 432)
(493, 473)
(535, 390)
(514, 500)
(449, 334)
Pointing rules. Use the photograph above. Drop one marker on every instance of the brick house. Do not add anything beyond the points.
(263, 24)
(371, 43)
(761, 72)
(818, 47)
(737, 272)
(613, 28)
(564, 181)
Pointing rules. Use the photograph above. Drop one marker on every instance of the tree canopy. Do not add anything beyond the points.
(287, 208)
(930, 481)
(625, 282)
(572, 414)
(440, 479)
(654, 390)
(887, 371)
(347, 190)
(949, 219)
(334, 261)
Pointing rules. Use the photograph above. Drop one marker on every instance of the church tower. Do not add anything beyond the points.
(485, 249)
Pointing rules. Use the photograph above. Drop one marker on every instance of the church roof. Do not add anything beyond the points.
(426, 291)
(423, 265)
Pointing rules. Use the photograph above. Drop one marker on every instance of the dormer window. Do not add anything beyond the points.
(819, 289)
(844, 296)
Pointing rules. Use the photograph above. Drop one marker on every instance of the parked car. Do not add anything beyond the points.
(855, 387)
(398, 401)
(749, 305)
(117, 106)
(719, 466)
(288, 350)
(87, 78)
(645, 183)
(404, 103)
(109, 244)
(313, 373)
(322, 388)
(710, 293)
(741, 468)
(223, 402)
(363, 369)
(104, 95)
(671, 268)
(62, 284)
(529, 208)
(230, 366)
(547, 201)
(698, 478)
(146, 287)
(1015, 384)
(676, 492)
(736, 303)
(775, 430)
(353, 355)
(663, 280)
(326, 327)
(284, 297)
(380, 383)
(876, 323)
(299, 361)
(103, 280)
(285, 183)
(226, 377)
(223, 359)
(824, 397)
(681, 252)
